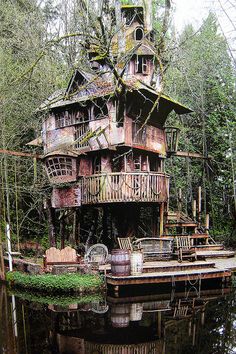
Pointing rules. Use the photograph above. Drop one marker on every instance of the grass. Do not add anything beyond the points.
(64, 283)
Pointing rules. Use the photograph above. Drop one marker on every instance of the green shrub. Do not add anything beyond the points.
(56, 283)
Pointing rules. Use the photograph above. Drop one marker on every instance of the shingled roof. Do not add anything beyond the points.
(95, 86)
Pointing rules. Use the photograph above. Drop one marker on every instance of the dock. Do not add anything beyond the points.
(173, 272)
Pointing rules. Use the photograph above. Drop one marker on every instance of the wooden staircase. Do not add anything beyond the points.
(205, 245)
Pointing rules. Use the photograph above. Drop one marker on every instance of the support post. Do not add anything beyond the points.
(8, 235)
(199, 204)
(207, 223)
(180, 199)
(2, 268)
(194, 208)
(161, 219)
(62, 229)
(159, 324)
(51, 225)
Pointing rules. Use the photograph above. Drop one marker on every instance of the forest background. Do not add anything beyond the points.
(42, 42)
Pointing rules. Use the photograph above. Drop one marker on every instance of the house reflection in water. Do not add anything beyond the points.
(159, 323)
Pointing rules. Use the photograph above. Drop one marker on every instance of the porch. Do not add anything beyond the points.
(125, 187)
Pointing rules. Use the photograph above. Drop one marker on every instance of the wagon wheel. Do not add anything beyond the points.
(100, 309)
(97, 253)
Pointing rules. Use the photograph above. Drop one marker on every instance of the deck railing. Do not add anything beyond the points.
(125, 187)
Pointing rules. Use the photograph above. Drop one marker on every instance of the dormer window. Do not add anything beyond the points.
(138, 34)
(142, 66)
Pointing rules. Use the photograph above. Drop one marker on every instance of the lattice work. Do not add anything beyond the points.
(80, 134)
(59, 166)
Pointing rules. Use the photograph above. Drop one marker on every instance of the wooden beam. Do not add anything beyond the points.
(20, 153)
(191, 154)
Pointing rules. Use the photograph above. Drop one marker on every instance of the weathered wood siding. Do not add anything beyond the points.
(66, 197)
(155, 138)
(104, 132)
(57, 139)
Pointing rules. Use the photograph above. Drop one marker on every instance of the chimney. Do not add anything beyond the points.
(148, 14)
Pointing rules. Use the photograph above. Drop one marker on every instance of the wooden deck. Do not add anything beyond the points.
(172, 272)
(168, 277)
(159, 266)
(215, 254)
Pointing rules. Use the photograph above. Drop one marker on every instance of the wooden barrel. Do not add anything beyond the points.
(120, 316)
(120, 262)
(136, 263)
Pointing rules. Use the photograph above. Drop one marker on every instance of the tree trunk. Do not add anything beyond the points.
(51, 223)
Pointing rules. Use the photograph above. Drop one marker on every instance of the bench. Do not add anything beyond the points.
(66, 257)
(155, 248)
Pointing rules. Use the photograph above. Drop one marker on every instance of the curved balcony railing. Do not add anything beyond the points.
(125, 187)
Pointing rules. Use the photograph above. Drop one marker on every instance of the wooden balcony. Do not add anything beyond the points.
(125, 187)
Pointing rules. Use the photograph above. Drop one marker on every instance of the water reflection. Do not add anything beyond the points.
(165, 323)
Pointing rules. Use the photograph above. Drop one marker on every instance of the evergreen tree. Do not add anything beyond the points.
(201, 75)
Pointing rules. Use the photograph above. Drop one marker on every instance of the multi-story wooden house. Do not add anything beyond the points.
(106, 151)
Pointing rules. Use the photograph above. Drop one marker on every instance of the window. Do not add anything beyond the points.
(138, 34)
(139, 134)
(97, 164)
(117, 162)
(151, 36)
(100, 110)
(80, 135)
(69, 117)
(153, 163)
(142, 65)
(59, 166)
(137, 163)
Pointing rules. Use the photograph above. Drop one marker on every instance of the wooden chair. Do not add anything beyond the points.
(181, 310)
(125, 243)
(185, 249)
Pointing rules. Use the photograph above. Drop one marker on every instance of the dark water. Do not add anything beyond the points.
(184, 321)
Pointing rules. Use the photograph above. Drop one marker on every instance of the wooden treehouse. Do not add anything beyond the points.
(106, 152)
(105, 143)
